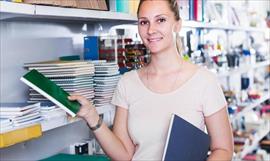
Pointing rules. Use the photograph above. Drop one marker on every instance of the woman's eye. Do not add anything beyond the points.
(160, 20)
(143, 23)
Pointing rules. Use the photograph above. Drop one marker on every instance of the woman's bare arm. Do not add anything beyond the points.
(219, 129)
(117, 143)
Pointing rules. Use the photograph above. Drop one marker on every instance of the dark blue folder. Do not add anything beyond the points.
(185, 142)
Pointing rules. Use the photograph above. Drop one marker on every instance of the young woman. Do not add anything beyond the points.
(146, 98)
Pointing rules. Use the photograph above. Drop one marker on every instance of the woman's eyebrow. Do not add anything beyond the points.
(160, 15)
(142, 18)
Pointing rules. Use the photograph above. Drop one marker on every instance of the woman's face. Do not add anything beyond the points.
(156, 25)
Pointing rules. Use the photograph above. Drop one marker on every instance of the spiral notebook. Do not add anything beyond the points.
(51, 91)
(185, 141)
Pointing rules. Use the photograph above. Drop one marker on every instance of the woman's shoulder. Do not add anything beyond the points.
(202, 73)
(207, 74)
(205, 77)
(129, 75)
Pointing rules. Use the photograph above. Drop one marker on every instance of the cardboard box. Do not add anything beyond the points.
(102, 5)
(68, 3)
(84, 4)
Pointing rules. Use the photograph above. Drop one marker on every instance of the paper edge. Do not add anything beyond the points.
(168, 137)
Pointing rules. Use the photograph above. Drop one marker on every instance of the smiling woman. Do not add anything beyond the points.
(145, 99)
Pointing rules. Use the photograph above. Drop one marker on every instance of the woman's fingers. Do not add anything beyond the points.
(86, 108)
(82, 100)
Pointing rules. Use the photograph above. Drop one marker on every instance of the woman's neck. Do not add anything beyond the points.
(165, 62)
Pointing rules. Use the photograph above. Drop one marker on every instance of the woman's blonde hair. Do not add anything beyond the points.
(175, 9)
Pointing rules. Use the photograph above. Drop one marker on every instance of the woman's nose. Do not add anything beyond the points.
(151, 29)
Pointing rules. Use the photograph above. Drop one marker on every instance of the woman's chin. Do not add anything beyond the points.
(154, 50)
(157, 50)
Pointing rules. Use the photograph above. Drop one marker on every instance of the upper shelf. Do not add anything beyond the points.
(195, 24)
(12, 10)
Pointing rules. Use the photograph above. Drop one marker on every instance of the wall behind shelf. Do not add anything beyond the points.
(30, 41)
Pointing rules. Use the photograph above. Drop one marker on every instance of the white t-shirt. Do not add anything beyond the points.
(149, 112)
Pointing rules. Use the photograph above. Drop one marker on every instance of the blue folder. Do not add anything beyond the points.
(185, 142)
(91, 48)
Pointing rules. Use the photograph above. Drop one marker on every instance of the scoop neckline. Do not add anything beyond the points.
(170, 92)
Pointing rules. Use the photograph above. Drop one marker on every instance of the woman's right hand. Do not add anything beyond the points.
(87, 110)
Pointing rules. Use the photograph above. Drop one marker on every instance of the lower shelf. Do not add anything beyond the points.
(20, 135)
(63, 121)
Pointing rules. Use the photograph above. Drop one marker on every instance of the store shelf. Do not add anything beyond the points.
(262, 132)
(243, 69)
(194, 24)
(55, 122)
(63, 121)
(11, 10)
(24, 133)
(265, 97)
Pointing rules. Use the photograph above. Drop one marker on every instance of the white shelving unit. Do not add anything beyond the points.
(10, 10)
(43, 27)
(13, 10)
(16, 8)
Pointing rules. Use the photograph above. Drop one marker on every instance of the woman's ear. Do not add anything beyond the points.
(177, 26)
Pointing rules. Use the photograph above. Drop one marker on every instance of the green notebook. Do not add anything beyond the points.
(51, 91)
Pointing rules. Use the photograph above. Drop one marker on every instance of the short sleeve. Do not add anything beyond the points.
(120, 96)
(213, 98)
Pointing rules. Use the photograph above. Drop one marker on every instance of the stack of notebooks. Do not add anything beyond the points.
(72, 76)
(5, 124)
(53, 116)
(18, 114)
(49, 110)
(106, 78)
